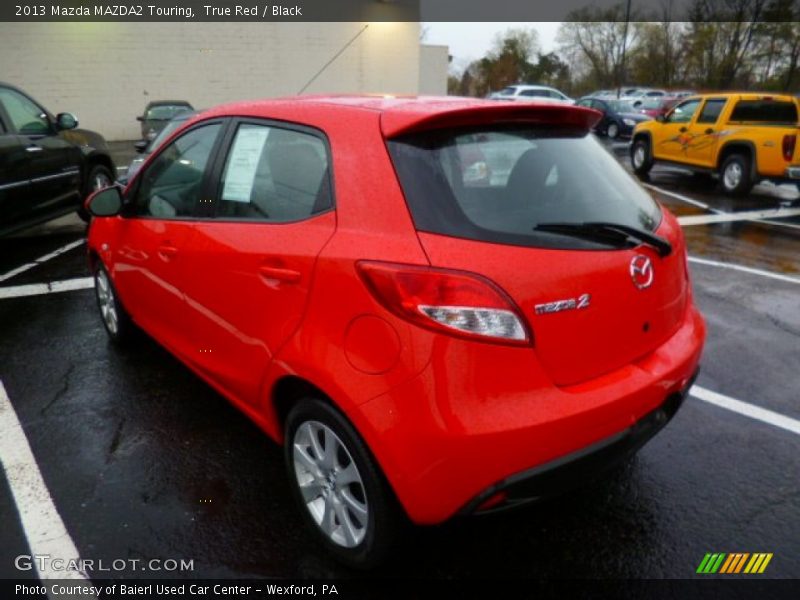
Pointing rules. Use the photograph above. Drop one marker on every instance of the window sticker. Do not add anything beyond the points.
(243, 162)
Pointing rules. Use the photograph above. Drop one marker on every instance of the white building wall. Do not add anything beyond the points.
(105, 73)
(433, 66)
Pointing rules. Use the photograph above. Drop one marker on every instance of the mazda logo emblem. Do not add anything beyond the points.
(642, 271)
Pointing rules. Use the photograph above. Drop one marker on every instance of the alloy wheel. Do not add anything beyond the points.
(106, 301)
(733, 175)
(330, 484)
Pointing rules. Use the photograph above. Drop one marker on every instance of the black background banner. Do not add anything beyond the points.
(710, 587)
(384, 10)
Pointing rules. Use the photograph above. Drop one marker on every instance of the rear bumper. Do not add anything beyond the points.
(793, 172)
(480, 418)
(578, 468)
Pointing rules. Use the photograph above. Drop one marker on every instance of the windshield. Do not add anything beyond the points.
(165, 112)
(169, 128)
(498, 184)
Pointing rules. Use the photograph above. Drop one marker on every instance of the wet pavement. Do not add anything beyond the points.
(143, 460)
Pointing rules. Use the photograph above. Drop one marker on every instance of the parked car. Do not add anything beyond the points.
(47, 165)
(158, 113)
(657, 106)
(744, 138)
(641, 95)
(619, 116)
(145, 148)
(531, 92)
(465, 348)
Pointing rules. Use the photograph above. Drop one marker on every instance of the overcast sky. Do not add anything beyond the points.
(469, 41)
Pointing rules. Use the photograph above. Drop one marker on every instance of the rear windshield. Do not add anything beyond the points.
(497, 184)
(765, 111)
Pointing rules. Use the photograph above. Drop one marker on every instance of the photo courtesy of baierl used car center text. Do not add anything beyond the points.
(391, 299)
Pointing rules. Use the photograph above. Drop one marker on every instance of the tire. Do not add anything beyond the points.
(99, 177)
(641, 157)
(735, 177)
(117, 322)
(612, 131)
(363, 517)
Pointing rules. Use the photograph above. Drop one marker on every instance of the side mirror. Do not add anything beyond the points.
(141, 146)
(661, 118)
(104, 203)
(66, 121)
(140, 118)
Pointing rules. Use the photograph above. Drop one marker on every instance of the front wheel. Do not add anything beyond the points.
(115, 318)
(99, 178)
(342, 494)
(641, 159)
(612, 131)
(735, 175)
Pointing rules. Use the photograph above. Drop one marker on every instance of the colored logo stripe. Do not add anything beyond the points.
(734, 562)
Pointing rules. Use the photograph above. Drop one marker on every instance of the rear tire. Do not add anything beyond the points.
(342, 494)
(641, 157)
(117, 322)
(735, 177)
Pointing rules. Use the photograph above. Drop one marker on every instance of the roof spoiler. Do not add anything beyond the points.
(399, 122)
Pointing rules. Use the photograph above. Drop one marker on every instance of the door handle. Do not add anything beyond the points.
(682, 129)
(167, 252)
(709, 130)
(33, 148)
(286, 275)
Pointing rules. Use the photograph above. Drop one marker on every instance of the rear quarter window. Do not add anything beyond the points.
(764, 111)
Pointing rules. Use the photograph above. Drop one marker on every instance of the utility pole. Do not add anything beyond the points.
(621, 70)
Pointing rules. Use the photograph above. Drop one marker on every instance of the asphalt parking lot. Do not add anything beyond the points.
(141, 460)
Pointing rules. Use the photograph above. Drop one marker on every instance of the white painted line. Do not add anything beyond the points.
(743, 269)
(746, 409)
(44, 529)
(682, 198)
(41, 259)
(122, 168)
(745, 215)
(37, 289)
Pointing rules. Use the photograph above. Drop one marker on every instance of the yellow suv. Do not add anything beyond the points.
(744, 138)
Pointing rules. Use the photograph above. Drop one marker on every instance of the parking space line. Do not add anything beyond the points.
(43, 527)
(743, 269)
(745, 215)
(746, 409)
(682, 198)
(37, 289)
(41, 259)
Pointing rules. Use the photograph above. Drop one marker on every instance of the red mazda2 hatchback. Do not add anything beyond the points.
(438, 306)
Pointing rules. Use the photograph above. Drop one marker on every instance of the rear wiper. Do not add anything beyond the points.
(609, 232)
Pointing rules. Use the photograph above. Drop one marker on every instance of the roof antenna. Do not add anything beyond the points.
(335, 56)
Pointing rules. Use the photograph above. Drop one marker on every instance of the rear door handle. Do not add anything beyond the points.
(286, 275)
(33, 148)
(167, 251)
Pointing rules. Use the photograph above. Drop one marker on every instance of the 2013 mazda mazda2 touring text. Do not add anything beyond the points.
(438, 306)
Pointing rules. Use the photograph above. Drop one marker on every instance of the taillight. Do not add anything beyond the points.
(453, 302)
(789, 142)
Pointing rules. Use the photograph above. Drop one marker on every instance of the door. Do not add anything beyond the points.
(257, 252)
(148, 267)
(14, 181)
(704, 133)
(672, 138)
(53, 164)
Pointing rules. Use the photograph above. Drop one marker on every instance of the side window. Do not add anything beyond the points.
(26, 117)
(586, 103)
(711, 111)
(171, 185)
(684, 112)
(274, 175)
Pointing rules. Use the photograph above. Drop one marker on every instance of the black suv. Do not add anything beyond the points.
(47, 166)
